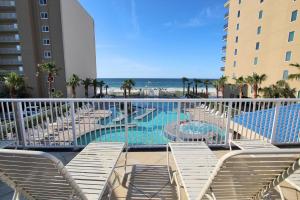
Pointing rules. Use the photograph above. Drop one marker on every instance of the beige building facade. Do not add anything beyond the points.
(38, 31)
(262, 36)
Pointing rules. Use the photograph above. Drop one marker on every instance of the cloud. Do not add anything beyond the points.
(202, 18)
(134, 18)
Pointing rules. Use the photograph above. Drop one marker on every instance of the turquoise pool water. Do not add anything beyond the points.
(201, 128)
(148, 131)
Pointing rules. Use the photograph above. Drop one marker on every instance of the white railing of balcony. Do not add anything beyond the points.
(7, 3)
(72, 123)
(10, 62)
(8, 15)
(9, 50)
(13, 27)
(9, 39)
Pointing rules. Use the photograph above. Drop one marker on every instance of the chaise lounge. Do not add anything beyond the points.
(38, 175)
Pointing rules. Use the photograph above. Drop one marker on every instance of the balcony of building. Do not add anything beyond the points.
(9, 39)
(7, 5)
(225, 27)
(9, 28)
(8, 17)
(10, 62)
(224, 48)
(9, 51)
(226, 5)
(222, 69)
(223, 58)
(226, 15)
(63, 126)
(224, 37)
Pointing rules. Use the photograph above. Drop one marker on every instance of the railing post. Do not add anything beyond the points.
(178, 119)
(126, 123)
(275, 121)
(228, 134)
(73, 124)
(20, 124)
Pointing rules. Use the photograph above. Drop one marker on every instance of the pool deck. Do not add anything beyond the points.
(146, 177)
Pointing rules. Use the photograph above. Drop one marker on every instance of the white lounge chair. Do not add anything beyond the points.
(245, 144)
(38, 175)
(246, 174)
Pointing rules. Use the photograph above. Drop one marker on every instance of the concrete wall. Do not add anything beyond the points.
(78, 42)
(276, 25)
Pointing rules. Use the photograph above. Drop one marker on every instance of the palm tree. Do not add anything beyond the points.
(73, 82)
(130, 84)
(240, 84)
(101, 84)
(279, 90)
(13, 82)
(52, 71)
(106, 87)
(95, 85)
(216, 86)
(86, 83)
(124, 87)
(184, 80)
(196, 83)
(255, 81)
(222, 82)
(206, 83)
(295, 76)
(189, 88)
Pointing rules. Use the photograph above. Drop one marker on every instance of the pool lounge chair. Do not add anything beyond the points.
(245, 144)
(39, 175)
(246, 174)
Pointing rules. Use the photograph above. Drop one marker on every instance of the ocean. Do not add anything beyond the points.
(165, 83)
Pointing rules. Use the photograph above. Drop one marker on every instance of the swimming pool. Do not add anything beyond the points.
(201, 128)
(146, 131)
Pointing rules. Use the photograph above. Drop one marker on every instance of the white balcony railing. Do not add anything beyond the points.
(7, 3)
(8, 16)
(57, 123)
(9, 39)
(12, 27)
(10, 62)
(9, 50)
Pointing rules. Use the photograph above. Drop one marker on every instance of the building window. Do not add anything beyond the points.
(45, 28)
(261, 1)
(291, 36)
(294, 15)
(255, 61)
(43, 2)
(236, 39)
(233, 75)
(298, 94)
(239, 13)
(260, 14)
(285, 75)
(240, 1)
(46, 41)
(238, 27)
(288, 56)
(258, 30)
(235, 52)
(234, 63)
(257, 45)
(47, 54)
(44, 15)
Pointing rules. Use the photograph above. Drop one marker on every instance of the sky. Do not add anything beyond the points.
(158, 38)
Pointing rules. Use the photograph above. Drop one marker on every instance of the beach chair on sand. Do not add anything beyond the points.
(38, 175)
(293, 180)
(245, 174)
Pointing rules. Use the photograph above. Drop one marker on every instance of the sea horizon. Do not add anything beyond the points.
(152, 82)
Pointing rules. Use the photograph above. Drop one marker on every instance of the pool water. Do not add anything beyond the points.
(200, 128)
(148, 131)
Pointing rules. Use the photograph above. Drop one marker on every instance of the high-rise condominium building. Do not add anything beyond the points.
(38, 31)
(262, 36)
